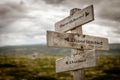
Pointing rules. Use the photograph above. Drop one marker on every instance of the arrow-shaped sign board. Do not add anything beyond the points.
(75, 41)
(82, 60)
(79, 18)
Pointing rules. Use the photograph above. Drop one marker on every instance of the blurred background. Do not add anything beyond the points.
(23, 51)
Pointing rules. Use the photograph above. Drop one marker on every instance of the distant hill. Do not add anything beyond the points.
(30, 49)
(43, 49)
(115, 46)
(114, 50)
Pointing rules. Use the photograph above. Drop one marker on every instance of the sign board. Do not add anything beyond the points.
(82, 60)
(79, 18)
(75, 41)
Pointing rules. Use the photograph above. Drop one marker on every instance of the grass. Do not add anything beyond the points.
(43, 68)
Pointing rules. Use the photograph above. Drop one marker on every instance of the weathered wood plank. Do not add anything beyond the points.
(81, 60)
(75, 41)
(78, 18)
(79, 74)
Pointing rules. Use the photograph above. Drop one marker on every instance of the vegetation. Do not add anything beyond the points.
(43, 49)
(30, 49)
(108, 69)
(43, 68)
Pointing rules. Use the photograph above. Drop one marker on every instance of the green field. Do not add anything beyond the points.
(43, 68)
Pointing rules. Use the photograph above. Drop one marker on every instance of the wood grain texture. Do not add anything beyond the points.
(84, 59)
(79, 74)
(78, 18)
(75, 41)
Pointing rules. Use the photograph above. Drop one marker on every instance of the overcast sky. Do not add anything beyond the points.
(26, 21)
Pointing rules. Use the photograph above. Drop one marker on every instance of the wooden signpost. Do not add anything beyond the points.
(79, 18)
(75, 41)
(78, 61)
(83, 46)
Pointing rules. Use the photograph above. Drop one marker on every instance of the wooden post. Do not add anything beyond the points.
(77, 74)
